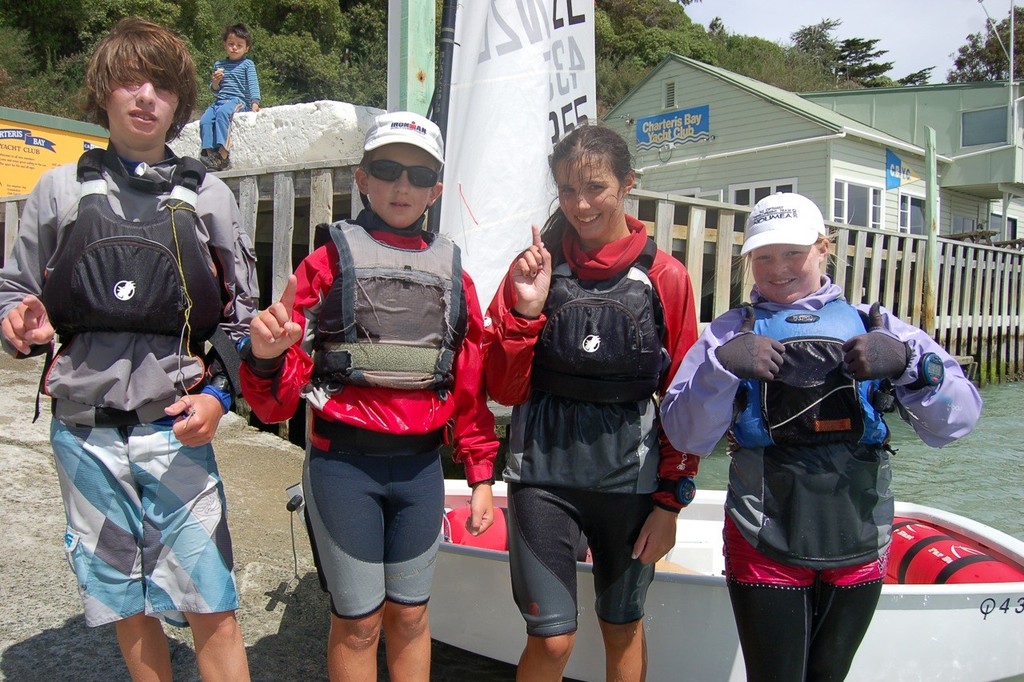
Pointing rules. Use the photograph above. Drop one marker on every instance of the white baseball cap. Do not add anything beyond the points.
(783, 218)
(405, 127)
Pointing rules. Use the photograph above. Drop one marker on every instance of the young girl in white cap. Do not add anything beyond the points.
(380, 331)
(800, 380)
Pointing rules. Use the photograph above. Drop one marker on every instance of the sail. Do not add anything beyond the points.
(522, 77)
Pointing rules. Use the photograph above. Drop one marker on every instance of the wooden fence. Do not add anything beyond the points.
(979, 289)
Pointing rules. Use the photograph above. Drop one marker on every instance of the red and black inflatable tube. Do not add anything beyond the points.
(923, 554)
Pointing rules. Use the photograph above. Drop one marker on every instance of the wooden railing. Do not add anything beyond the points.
(979, 291)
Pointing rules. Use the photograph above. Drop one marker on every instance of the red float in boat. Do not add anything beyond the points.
(923, 554)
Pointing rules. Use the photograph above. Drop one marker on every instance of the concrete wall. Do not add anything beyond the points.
(290, 134)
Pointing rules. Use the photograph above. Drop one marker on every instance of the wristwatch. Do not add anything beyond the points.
(245, 347)
(930, 372)
(684, 489)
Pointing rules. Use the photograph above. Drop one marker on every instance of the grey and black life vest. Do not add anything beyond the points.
(602, 339)
(394, 318)
(812, 400)
(113, 274)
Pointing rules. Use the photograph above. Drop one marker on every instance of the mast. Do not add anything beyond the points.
(439, 104)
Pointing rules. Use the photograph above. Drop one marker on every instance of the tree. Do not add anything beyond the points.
(17, 67)
(632, 36)
(779, 65)
(50, 27)
(850, 61)
(304, 49)
(855, 62)
(918, 77)
(984, 56)
(817, 42)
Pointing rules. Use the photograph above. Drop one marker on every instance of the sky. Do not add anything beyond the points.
(917, 33)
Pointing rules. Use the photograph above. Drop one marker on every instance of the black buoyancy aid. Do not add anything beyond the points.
(602, 339)
(113, 274)
(393, 318)
(812, 400)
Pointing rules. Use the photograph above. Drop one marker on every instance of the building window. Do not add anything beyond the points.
(857, 204)
(995, 222)
(670, 94)
(962, 224)
(985, 126)
(911, 214)
(696, 192)
(748, 194)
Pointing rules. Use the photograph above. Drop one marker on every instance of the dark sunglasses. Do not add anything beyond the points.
(389, 171)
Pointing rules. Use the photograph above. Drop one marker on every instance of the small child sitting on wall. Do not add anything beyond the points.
(237, 89)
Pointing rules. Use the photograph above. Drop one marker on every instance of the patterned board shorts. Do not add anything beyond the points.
(146, 523)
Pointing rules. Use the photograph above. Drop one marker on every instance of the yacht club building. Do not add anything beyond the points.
(699, 130)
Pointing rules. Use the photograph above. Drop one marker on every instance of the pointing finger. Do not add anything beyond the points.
(288, 295)
(537, 241)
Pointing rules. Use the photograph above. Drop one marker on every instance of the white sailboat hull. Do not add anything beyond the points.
(970, 632)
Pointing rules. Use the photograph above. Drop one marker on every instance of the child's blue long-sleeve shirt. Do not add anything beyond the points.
(239, 80)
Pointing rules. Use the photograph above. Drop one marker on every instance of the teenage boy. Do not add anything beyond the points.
(133, 258)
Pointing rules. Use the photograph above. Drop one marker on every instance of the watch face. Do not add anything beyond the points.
(686, 489)
(932, 369)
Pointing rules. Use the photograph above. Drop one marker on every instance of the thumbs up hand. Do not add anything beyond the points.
(273, 331)
(875, 354)
(749, 355)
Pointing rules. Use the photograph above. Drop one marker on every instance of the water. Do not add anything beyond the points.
(980, 476)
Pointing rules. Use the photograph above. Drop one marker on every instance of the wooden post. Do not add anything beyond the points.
(284, 227)
(321, 200)
(723, 263)
(931, 221)
(249, 204)
(664, 217)
(695, 253)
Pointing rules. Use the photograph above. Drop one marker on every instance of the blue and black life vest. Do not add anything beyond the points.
(602, 339)
(393, 318)
(812, 400)
(113, 274)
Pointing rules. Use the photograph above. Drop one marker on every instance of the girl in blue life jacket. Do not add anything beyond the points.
(794, 378)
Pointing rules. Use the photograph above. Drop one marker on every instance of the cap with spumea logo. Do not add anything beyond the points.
(783, 218)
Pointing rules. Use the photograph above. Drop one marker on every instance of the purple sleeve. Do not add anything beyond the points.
(939, 414)
(697, 408)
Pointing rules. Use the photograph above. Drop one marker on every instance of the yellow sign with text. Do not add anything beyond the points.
(27, 151)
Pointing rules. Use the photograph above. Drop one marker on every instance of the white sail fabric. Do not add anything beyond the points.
(522, 78)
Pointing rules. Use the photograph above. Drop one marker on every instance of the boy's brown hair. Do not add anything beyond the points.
(239, 31)
(135, 51)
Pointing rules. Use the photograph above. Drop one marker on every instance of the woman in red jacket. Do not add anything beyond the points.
(584, 333)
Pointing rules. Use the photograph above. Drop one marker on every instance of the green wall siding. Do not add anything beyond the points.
(904, 112)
